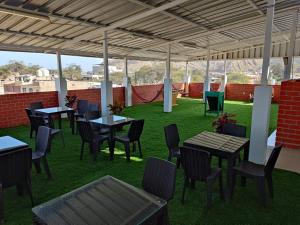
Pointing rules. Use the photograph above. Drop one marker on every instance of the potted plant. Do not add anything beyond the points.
(223, 119)
(116, 108)
(70, 100)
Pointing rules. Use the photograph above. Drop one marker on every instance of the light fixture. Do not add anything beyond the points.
(24, 14)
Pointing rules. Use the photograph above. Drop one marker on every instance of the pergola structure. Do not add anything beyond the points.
(170, 30)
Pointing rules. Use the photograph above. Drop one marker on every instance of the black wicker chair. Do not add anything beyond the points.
(37, 121)
(29, 114)
(42, 145)
(88, 136)
(15, 169)
(196, 165)
(91, 115)
(133, 136)
(93, 107)
(259, 173)
(159, 179)
(82, 108)
(172, 140)
(36, 105)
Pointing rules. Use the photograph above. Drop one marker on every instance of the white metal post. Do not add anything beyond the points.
(168, 83)
(262, 99)
(288, 73)
(106, 85)
(127, 85)
(224, 78)
(187, 78)
(268, 42)
(207, 78)
(60, 82)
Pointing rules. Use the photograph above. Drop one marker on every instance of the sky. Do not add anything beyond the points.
(48, 60)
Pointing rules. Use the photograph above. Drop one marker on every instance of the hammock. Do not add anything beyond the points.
(146, 100)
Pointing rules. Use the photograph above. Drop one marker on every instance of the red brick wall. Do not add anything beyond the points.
(12, 106)
(196, 89)
(288, 124)
(94, 95)
(238, 92)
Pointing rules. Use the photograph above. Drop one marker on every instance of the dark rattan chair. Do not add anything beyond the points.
(172, 140)
(196, 165)
(38, 121)
(36, 105)
(233, 130)
(88, 136)
(93, 107)
(15, 169)
(82, 108)
(259, 173)
(133, 136)
(42, 145)
(29, 114)
(91, 115)
(159, 179)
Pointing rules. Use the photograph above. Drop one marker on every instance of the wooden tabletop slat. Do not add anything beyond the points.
(217, 141)
(106, 201)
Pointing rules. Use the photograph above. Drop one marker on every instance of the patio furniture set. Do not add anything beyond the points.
(112, 201)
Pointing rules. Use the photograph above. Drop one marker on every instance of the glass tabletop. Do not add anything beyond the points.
(112, 120)
(8, 143)
(54, 110)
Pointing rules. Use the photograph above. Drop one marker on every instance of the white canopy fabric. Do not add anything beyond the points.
(143, 29)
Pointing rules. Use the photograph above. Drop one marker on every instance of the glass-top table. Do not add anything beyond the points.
(112, 122)
(58, 110)
(8, 143)
(105, 201)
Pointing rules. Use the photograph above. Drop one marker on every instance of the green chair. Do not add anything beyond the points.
(214, 102)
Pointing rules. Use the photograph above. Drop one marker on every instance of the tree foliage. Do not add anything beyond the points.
(276, 71)
(238, 78)
(72, 72)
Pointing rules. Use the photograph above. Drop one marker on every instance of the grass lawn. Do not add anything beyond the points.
(69, 172)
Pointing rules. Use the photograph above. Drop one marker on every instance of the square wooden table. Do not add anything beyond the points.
(221, 145)
(105, 201)
(58, 110)
(112, 122)
(8, 143)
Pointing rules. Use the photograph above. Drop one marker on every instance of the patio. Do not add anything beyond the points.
(69, 172)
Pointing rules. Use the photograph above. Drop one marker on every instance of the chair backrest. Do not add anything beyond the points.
(93, 107)
(37, 121)
(36, 105)
(272, 159)
(172, 136)
(85, 130)
(234, 130)
(82, 106)
(159, 178)
(91, 115)
(135, 130)
(43, 138)
(15, 166)
(196, 163)
(29, 114)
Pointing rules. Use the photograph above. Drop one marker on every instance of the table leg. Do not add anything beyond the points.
(72, 121)
(111, 144)
(59, 121)
(246, 158)
(230, 164)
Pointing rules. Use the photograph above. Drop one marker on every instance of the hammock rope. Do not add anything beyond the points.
(142, 98)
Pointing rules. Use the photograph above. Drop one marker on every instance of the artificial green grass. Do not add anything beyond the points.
(69, 172)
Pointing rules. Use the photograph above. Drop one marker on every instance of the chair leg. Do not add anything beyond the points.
(221, 186)
(46, 167)
(127, 151)
(178, 162)
(220, 162)
(233, 184)
(243, 181)
(20, 189)
(261, 187)
(62, 138)
(133, 147)
(209, 193)
(28, 187)
(31, 132)
(1, 205)
(184, 188)
(270, 185)
(37, 165)
(140, 149)
(81, 151)
(170, 157)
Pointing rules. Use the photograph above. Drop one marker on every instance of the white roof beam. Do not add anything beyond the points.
(253, 4)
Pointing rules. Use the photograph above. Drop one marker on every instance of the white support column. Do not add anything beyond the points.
(224, 78)
(289, 72)
(168, 83)
(262, 99)
(206, 86)
(127, 85)
(187, 78)
(285, 67)
(106, 85)
(60, 82)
